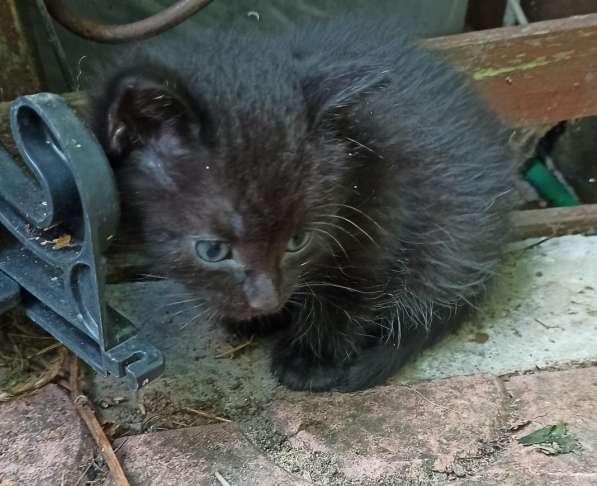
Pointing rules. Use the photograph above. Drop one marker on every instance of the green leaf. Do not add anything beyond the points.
(552, 440)
(546, 434)
(568, 444)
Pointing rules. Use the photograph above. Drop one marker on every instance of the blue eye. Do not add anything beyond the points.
(298, 241)
(213, 251)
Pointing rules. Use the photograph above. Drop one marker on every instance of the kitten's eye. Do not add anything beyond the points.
(298, 241)
(213, 251)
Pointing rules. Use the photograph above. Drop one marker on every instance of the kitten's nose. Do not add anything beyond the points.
(261, 293)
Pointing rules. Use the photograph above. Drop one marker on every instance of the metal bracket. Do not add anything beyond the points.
(59, 209)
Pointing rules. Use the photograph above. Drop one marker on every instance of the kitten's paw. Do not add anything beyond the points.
(371, 366)
(299, 372)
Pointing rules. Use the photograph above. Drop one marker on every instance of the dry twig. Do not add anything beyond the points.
(235, 349)
(97, 432)
(45, 350)
(221, 479)
(35, 383)
(206, 414)
(84, 474)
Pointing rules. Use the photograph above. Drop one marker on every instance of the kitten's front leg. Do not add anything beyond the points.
(315, 360)
(299, 365)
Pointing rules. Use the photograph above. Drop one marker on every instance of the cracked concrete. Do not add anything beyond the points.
(42, 441)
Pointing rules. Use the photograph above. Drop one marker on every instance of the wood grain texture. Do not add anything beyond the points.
(536, 223)
(542, 73)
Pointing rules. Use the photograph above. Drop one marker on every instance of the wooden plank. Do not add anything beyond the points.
(536, 223)
(542, 73)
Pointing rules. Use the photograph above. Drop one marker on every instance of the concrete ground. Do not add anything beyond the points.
(453, 416)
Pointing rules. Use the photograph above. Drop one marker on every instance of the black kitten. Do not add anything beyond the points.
(336, 179)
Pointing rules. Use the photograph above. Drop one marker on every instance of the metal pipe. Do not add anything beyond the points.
(515, 9)
(142, 29)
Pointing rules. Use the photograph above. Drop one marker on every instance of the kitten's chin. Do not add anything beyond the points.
(248, 314)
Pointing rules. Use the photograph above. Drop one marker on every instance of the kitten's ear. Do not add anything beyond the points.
(337, 86)
(139, 108)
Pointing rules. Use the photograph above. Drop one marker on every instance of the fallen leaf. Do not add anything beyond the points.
(552, 440)
(61, 242)
(544, 434)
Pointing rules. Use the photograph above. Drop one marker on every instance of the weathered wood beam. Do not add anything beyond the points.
(543, 73)
(536, 223)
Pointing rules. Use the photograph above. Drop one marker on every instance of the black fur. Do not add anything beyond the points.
(347, 129)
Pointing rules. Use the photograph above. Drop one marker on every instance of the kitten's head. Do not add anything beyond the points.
(228, 185)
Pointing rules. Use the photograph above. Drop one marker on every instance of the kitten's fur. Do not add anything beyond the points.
(346, 129)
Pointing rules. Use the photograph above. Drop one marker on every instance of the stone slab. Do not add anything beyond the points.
(42, 440)
(196, 456)
(544, 399)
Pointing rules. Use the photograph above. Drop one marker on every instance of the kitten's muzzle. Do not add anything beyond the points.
(261, 293)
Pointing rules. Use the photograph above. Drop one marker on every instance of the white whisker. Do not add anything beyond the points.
(369, 149)
(355, 225)
(357, 210)
(337, 226)
(186, 301)
(329, 235)
(329, 284)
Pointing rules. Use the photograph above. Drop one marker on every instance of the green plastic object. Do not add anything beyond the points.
(549, 186)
